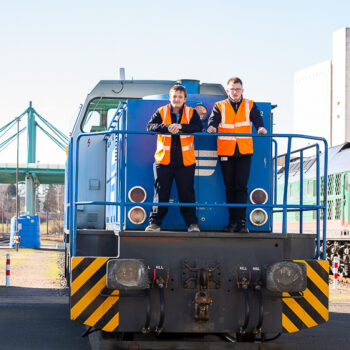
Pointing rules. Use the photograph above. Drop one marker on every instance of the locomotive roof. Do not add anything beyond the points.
(338, 162)
(138, 89)
(141, 88)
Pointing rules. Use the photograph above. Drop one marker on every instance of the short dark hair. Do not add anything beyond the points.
(178, 87)
(235, 80)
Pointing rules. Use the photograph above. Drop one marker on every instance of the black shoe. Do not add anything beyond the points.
(241, 227)
(232, 227)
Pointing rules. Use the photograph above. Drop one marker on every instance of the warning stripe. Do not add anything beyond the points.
(325, 265)
(106, 319)
(87, 273)
(103, 309)
(321, 309)
(318, 281)
(319, 270)
(76, 261)
(317, 293)
(304, 304)
(90, 295)
(112, 325)
(288, 325)
(293, 317)
(87, 305)
(311, 309)
(88, 285)
(80, 267)
(300, 312)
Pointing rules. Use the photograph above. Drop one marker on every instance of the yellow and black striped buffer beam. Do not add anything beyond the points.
(311, 309)
(87, 305)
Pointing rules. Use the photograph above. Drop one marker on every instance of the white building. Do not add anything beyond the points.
(322, 95)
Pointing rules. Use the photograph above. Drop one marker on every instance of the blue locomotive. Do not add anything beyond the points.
(156, 286)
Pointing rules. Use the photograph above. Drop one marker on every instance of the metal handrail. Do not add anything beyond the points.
(198, 204)
(119, 110)
(122, 161)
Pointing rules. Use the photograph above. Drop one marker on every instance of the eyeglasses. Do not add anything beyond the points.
(236, 90)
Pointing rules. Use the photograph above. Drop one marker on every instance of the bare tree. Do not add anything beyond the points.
(50, 203)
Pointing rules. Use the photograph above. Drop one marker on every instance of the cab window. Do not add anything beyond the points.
(99, 114)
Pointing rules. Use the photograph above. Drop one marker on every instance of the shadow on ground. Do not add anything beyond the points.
(38, 318)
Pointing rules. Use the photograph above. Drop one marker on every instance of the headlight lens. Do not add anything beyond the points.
(137, 215)
(258, 196)
(137, 194)
(286, 276)
(258, 217)
(124, 274)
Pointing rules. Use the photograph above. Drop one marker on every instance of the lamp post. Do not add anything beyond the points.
(2, 214)
(7, 213)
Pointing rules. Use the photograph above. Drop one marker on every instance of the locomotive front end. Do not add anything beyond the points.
(203, 283)
(173, 283)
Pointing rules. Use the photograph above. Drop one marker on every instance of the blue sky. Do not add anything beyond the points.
(54, 52)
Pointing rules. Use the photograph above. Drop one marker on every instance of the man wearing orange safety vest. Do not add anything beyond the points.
(235, 115)
(174, 157)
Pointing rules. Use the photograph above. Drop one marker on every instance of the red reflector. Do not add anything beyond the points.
(258, 196)
(137, 194)
(137, 215)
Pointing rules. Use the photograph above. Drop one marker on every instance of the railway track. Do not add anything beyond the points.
(4, 238)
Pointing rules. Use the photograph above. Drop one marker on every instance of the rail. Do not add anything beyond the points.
(73, 172)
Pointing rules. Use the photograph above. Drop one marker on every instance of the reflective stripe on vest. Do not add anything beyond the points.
(162, 154)
(232, 122)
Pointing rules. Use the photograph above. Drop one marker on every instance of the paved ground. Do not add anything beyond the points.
(329, 336)
(34, 311)
(44, 325)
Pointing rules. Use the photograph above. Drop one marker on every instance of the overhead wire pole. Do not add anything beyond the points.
(17, 240)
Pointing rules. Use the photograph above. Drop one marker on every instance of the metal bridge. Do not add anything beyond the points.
(41, 173)
(32, 173)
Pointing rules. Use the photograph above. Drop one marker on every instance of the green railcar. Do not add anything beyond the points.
(337, 197)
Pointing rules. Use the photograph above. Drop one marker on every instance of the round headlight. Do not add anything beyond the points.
(137, 215)
(258, 217)
(137, 194)
(258, 196)
(202, 111)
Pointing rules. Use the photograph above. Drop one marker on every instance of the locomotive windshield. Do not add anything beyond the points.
(99, 114)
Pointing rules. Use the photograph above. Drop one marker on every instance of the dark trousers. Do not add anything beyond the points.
(184, 178)
(235, 172)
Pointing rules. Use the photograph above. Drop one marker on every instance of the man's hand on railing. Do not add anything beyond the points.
(211, 129)
(174, 128)
(262, 130)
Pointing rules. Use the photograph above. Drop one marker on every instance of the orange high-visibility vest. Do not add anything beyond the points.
(162, 154)
(232, 122)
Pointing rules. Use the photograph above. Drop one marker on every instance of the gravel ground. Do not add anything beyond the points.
(34, 268)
